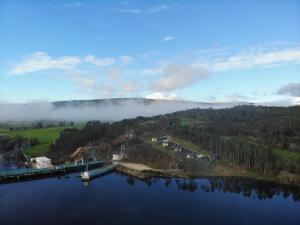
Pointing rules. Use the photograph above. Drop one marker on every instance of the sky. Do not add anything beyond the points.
(208, 50)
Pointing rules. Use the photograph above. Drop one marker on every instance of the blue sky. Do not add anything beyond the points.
(217, 51)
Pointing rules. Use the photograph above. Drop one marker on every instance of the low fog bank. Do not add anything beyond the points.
(106, 111)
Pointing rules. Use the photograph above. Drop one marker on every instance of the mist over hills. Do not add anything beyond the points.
(99, 109)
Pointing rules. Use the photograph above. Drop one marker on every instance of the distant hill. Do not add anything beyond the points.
(143, 101)
(100, 109)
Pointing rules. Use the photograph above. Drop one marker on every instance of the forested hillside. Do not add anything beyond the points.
(264, 139)
(261, 138)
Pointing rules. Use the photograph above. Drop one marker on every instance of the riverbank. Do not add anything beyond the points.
(142, 171)
(218, 170)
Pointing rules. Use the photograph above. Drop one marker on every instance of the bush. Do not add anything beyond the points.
(33, 141)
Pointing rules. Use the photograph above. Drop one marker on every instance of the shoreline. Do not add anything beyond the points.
(142, 171)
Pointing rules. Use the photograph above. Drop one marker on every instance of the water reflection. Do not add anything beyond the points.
(248, 187)
(122, 199)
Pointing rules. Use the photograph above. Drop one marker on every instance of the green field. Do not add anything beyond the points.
(46, 136)
(186, 121)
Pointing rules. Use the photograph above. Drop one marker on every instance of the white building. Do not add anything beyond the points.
(120, 155)
(42, 162)
(117, 157)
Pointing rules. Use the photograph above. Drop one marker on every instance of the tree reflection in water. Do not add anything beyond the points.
(248, 187)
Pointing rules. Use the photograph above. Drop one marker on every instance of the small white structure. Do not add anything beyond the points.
(165, 143)
(154, 139)
(120, 155)
(200, 156)
(117, 157)
(189, 156)
(42, 162)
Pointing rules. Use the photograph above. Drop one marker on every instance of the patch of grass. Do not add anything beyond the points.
(189, 145)
(186, 121)
(286, 155)
(3, 130)
(228, 169)
(46, 136)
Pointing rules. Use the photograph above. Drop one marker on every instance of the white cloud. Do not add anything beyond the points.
(146, 55)
(42, 61)
(129, 11)
(152, 71)
(161, 95)
(107, 61)
(168, 38)
(296, 101)
(292, 89)
(126, 59)
(249, 60)
(74, 4)
(154, 9)
(163, 7)
(178, 77)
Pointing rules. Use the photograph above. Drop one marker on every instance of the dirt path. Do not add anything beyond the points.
(136, 166)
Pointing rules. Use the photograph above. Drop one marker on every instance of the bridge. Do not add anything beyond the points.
(33, 173)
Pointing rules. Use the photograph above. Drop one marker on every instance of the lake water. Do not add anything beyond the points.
(120, 199)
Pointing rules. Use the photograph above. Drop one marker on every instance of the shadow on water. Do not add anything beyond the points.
(248, 187)
(121, 199)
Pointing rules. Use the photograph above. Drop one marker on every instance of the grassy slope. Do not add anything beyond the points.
(186, 121)
(146, 137)
(46, 136)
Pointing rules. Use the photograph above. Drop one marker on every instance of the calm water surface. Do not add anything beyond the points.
(120, 199)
